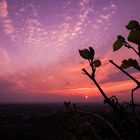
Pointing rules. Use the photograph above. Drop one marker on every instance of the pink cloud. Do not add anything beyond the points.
(4, 56)
(8, 27)
(113, 6)
(3, 8)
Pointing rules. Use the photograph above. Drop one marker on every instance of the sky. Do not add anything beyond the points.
(39, 43)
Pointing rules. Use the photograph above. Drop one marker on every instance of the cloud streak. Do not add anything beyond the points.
(3, 8)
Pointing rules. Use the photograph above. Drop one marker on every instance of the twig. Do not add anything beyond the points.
(139, 50)
(133, 104)
(130, 76)
(93, 79)
(129, 46)
(107, 100)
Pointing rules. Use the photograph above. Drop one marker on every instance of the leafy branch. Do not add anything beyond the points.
(78, 115)
(132, 78)
(88, 54)
(134, 37)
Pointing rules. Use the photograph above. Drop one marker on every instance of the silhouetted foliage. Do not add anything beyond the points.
(134, 37)
(113, 102)
(130, 63)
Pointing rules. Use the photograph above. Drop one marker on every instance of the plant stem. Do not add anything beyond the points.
(134, 51)
(95, 82)
(93, 79)
(107, 100)
(133, 103)
(139, 50)
(130, 76)
(136, 81)
(129, 46)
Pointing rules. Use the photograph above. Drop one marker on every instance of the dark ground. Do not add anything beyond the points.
(51, 122)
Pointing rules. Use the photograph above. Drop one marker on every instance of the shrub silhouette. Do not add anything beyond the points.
(85, 125)
(133, 37)
(88, 54)
(80, 125)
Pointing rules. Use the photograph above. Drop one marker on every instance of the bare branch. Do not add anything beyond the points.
(129, 46)
(132, 99)
(130, 76)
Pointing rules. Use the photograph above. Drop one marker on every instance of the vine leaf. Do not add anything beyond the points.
(87, 54)
(92, 52)
(121, 38)
(133, 25)
(134, 36)
(97, 63)
(118, 43)
(130, 63)
(125, 64)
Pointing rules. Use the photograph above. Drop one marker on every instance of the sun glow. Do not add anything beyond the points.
(86, 97)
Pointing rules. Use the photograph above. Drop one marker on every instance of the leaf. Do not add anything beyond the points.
(121, 38)
(97, 63)
(134, 63)
(85, 53)
(134, 36)
(125, 64)
(130, 63)
(92, 52)
(133, 24)
(117, 45)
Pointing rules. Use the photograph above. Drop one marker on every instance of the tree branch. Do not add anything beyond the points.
(107, 100)
(139, 50)
(95, 82)
(130, 76)
(129, 46)
(132, 100)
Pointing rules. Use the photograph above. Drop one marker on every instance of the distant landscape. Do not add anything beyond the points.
(42, 121)
(36, 121)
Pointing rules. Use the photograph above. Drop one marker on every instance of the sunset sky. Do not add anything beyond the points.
(39, 43)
